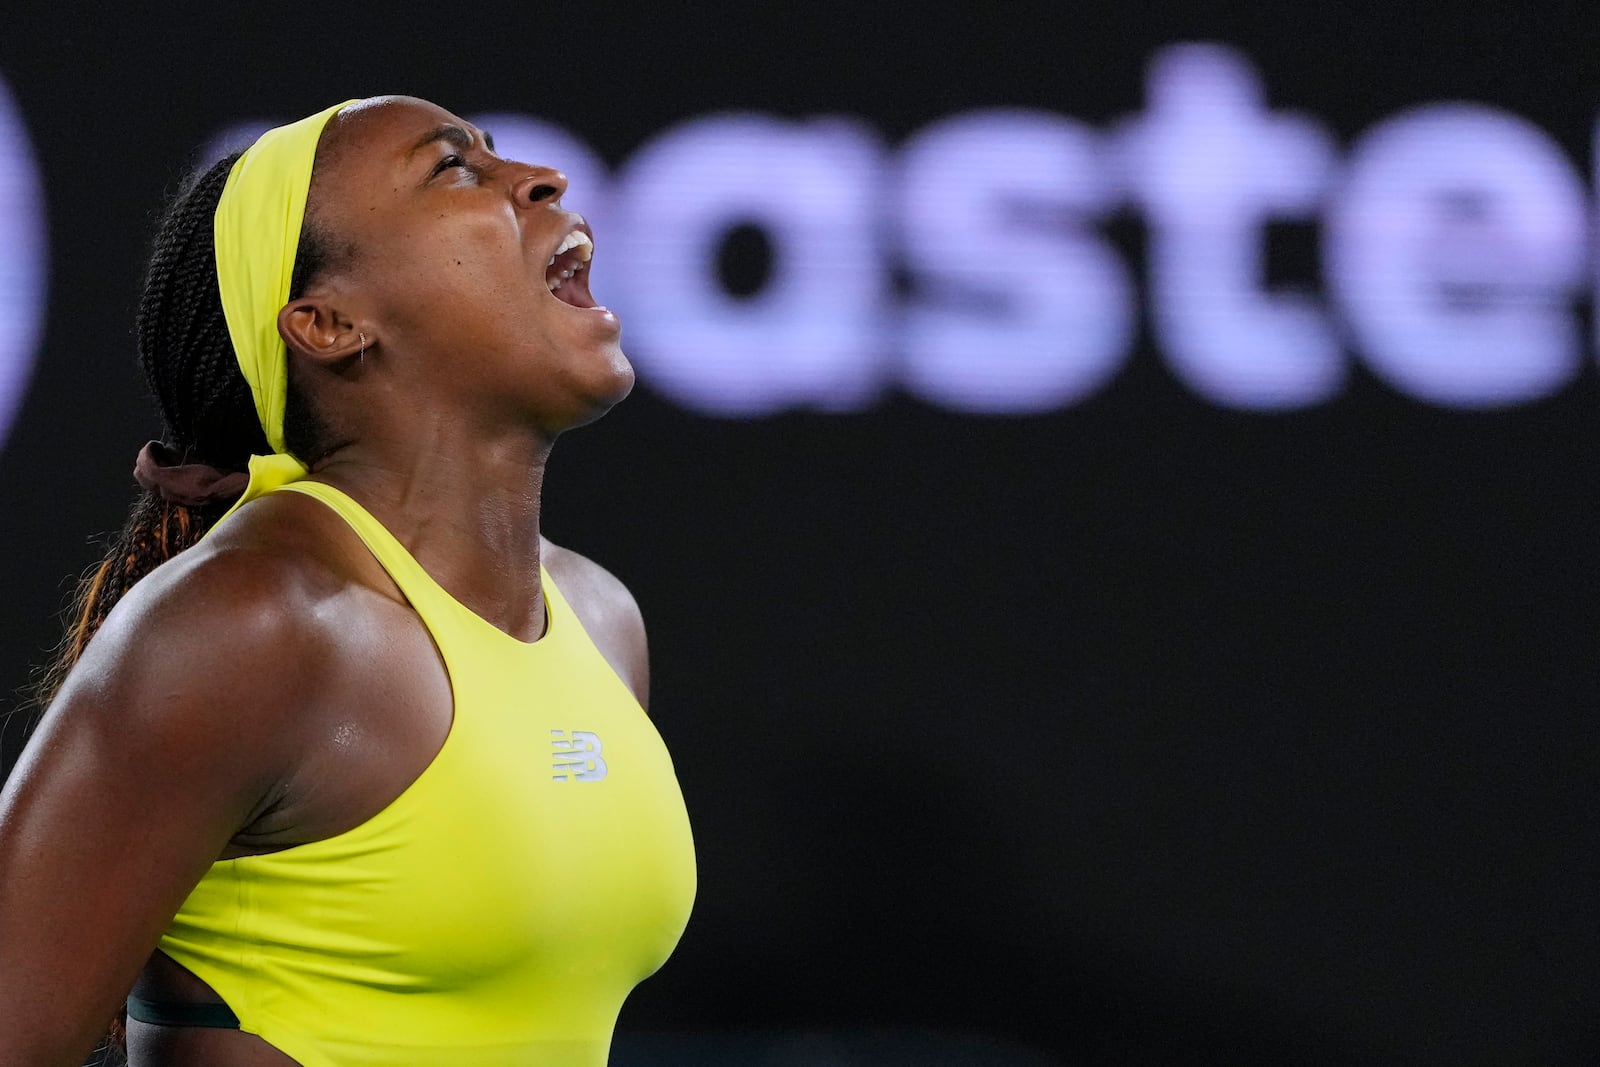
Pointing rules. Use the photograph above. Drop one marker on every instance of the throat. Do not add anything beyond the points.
(473, 529)
(502, 584)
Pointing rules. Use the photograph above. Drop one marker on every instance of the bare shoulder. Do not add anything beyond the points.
(608, 612)
(220, 676)
(179, 725)
(192, 644)
(581, 579)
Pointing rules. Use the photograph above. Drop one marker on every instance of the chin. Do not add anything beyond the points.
(611, 383)
(618, 382)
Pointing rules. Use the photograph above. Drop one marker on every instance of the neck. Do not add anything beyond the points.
(468, 515)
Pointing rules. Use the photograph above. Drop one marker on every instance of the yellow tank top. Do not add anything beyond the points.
(497, 912)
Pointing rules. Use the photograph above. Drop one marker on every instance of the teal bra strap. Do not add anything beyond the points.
(177, 1013)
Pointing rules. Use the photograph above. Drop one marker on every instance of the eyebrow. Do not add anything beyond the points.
(452, 135)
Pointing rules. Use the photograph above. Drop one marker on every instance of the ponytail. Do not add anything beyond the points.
(206, 406)
(209, 417)
(155, 531)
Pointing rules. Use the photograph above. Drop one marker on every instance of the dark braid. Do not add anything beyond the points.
(207, 410)
(208, 414)
(184, 347)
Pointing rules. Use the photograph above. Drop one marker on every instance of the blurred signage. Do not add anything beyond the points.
(22, 259)
(1454, 246)
(970, 266)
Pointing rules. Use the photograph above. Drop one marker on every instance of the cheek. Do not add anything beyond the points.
(465, 266)
(459, 280)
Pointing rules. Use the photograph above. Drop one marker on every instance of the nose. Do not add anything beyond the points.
(540, 184)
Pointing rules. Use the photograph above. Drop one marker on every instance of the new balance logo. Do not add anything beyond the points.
(577, 758)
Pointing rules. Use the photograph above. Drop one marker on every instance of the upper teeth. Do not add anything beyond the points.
(579, 240)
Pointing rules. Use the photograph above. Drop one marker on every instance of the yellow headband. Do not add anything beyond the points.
(257, 233)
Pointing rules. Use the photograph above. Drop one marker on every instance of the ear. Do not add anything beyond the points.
(312, 327)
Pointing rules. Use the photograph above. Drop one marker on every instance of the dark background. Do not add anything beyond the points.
(1139, 731)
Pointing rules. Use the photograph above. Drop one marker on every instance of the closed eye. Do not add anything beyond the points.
(447, 163)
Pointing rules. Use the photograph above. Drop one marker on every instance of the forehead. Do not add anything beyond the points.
(364, 163)
(383, 130)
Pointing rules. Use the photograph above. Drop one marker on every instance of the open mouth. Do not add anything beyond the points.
(567, 273)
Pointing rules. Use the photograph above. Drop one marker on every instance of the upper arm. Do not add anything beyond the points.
(608, 612)
(160, 745)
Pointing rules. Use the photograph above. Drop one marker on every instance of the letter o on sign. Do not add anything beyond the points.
(22, 259)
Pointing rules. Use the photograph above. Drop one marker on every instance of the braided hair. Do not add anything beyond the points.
(207, 410)
(208, 416)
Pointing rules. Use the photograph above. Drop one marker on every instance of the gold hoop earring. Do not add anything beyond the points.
(361, 356)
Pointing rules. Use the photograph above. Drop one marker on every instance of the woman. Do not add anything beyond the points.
(363, 777)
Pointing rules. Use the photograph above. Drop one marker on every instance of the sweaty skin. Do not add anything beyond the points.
(337, 699)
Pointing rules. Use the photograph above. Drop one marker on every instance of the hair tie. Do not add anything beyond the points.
(160, 469)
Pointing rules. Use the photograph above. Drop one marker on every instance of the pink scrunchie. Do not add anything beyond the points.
(161, 470)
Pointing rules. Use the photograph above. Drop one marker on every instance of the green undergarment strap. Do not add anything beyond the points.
(177, 1013)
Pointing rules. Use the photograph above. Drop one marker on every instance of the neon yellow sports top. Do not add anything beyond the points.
(497, 913)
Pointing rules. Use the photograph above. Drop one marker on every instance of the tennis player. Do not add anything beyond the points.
(345, 765)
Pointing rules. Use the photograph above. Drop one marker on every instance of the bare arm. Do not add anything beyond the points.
(167, 738)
